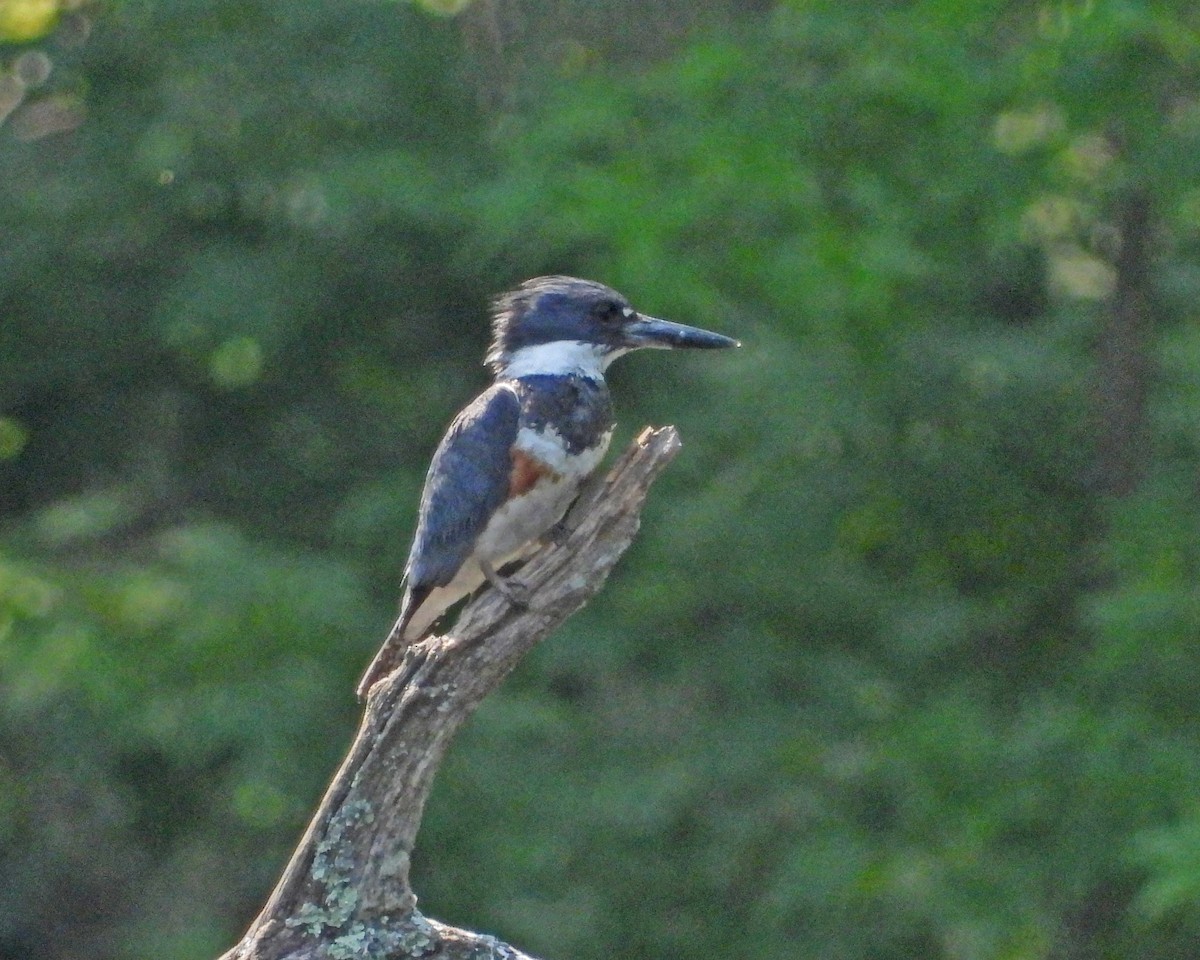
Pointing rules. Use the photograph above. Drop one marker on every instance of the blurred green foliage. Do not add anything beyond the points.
(904, 662)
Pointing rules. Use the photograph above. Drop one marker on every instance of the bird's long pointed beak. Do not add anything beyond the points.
(663, 334)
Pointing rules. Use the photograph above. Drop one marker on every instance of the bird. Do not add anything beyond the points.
(513, 461)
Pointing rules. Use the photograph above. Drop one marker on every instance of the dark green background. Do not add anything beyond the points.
(905, 661)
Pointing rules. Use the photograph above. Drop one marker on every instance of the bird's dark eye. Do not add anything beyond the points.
(610, 311)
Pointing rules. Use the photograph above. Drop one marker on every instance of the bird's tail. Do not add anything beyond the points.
(392, 651)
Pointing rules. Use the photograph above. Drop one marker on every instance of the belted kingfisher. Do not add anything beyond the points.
(513, 461)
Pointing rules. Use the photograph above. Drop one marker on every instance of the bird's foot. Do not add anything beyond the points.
(559, 533)
(515, 592)
(592, 487)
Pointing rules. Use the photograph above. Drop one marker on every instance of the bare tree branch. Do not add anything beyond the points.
(346, 891)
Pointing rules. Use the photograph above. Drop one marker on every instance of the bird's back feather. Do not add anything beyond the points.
(468, 479)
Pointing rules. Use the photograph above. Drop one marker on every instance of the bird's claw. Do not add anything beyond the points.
(516, 593)
(513, 590)
(559, 533)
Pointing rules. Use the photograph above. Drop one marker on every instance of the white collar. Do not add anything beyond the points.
(561, 358)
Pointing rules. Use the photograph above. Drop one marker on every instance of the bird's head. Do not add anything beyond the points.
(563, 325)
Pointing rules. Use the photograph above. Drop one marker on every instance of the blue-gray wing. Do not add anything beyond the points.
(468, 479)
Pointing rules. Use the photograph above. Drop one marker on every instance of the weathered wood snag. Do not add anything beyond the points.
(346, 891)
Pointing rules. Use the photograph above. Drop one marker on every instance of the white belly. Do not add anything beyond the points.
(520, 523)
(523, 520)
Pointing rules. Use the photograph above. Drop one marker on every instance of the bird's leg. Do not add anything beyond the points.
(512, 590)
